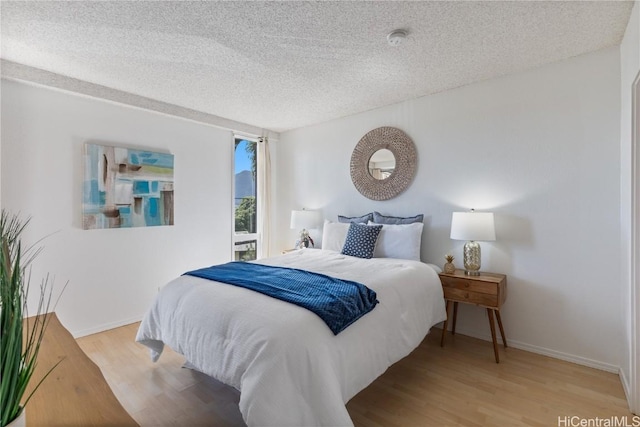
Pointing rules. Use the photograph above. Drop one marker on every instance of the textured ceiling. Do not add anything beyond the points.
(283, 65)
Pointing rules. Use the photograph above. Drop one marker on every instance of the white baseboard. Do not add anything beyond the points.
(106, 326)
(565, 356)
(626, 386)
(548, 352)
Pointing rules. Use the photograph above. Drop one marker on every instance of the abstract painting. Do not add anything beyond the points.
(125, 187)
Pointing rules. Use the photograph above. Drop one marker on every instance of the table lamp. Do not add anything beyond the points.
(304, 220)
(472, 226)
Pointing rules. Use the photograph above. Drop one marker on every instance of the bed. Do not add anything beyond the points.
(290, 369)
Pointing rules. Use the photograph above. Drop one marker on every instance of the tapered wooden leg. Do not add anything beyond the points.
(493, 334)
(504, 339)
(455, 316)
(446, 323)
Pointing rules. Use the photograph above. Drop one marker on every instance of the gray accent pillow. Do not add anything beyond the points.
(378, 218)
(364, 219)
(361, 240)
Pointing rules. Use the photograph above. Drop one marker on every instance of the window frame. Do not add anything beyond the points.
(238, 238)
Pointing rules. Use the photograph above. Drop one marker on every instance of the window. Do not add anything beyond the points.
(246, 238)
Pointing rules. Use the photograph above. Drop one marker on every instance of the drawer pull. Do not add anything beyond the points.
(466, 296)
(466, 285)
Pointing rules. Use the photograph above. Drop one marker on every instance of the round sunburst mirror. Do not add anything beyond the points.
(383, 163)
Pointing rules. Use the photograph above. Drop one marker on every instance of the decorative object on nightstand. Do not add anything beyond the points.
(472, 226)
(488, 290)
(304, 220)
(449, 267)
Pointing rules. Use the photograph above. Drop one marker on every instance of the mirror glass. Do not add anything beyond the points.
(382, 164)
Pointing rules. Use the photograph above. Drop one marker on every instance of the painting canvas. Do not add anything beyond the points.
(125, 187)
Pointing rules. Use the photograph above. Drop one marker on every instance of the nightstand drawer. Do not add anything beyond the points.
(470, 285)
(471, 297)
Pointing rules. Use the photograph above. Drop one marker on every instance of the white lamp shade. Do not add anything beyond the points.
(473, 226)
(305, 219)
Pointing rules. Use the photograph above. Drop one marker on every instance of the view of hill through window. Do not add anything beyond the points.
(245, 200)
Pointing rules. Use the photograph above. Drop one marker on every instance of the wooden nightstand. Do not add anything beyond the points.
(487, 290)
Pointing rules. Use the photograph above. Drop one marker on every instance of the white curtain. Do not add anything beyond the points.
(264, 198)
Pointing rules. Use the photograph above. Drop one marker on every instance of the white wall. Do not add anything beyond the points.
(541, 150)
(113, 274)
(629, 68)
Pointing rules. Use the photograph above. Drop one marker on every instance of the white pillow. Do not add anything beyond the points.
(334, 234)
(399, 241)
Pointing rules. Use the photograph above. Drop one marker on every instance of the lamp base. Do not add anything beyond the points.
(471, 258)
(301, 244)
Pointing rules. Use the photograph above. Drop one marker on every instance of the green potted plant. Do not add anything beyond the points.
(21, 336)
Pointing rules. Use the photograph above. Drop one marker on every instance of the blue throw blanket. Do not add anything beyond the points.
(338, 302)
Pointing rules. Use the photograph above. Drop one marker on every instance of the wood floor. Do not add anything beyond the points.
(458, 385)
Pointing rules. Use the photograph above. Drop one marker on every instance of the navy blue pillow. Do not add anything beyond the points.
(378, 218)
(361, 240)
(364, 219)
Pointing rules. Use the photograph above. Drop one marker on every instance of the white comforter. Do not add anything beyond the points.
(289, 367)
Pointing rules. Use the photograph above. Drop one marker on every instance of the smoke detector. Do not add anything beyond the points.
(396, 37)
